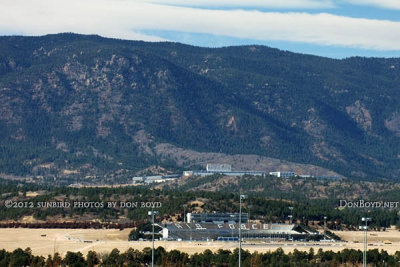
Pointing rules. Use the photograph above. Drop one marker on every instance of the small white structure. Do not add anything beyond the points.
(189, 217)
(187, 173)
(283, 174)
(137, 180)
(154, 179)
(219, 167)
(165, 233)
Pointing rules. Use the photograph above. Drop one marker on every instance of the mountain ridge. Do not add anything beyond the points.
(79, 102)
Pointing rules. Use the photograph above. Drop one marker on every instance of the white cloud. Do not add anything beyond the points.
(387, 4)
(39, 17)
(126, 19)
(306, 4)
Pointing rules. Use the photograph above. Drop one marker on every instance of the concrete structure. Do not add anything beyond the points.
(225, 169)
(187, 173)
(137, 180)
(219, 167)
(216, 217)
(230, 231)
(283, 174)
(231, 173)
(154, 179)
(225, 227)
(305, 176)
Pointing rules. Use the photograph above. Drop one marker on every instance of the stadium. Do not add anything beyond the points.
(225, 227)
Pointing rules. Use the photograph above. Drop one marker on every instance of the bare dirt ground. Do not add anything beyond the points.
(239, 162)
(47, 241)
(391, 235)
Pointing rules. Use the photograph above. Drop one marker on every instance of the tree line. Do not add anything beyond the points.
(221, 258)
(306, 211)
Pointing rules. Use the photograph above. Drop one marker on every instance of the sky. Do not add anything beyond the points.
(331, 28)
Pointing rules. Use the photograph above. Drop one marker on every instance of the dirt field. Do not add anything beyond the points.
(373, 236)
(46, 241)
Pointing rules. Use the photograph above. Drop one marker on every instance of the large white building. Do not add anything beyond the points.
(225, 169)
(283, 174)
(219, 167)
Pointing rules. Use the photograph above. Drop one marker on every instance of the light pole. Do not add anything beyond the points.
(152, 213)
(184, 213)
(291, 215)
(290, 221)
(325, 227)
(240, 228)
(365, 228)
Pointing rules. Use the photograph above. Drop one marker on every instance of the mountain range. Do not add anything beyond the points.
(87, 105)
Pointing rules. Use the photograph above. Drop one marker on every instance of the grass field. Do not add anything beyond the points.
(47, 241)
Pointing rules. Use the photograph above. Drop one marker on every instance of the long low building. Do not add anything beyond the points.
(216, 217)
(283, 174)
(228, 173)
(230, 231)
(154, 179)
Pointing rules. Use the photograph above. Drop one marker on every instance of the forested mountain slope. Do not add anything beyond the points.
(95, 105)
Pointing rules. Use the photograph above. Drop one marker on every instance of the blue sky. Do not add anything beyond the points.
(332, 28)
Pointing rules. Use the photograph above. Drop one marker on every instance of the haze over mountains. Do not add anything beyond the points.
(76, 104)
